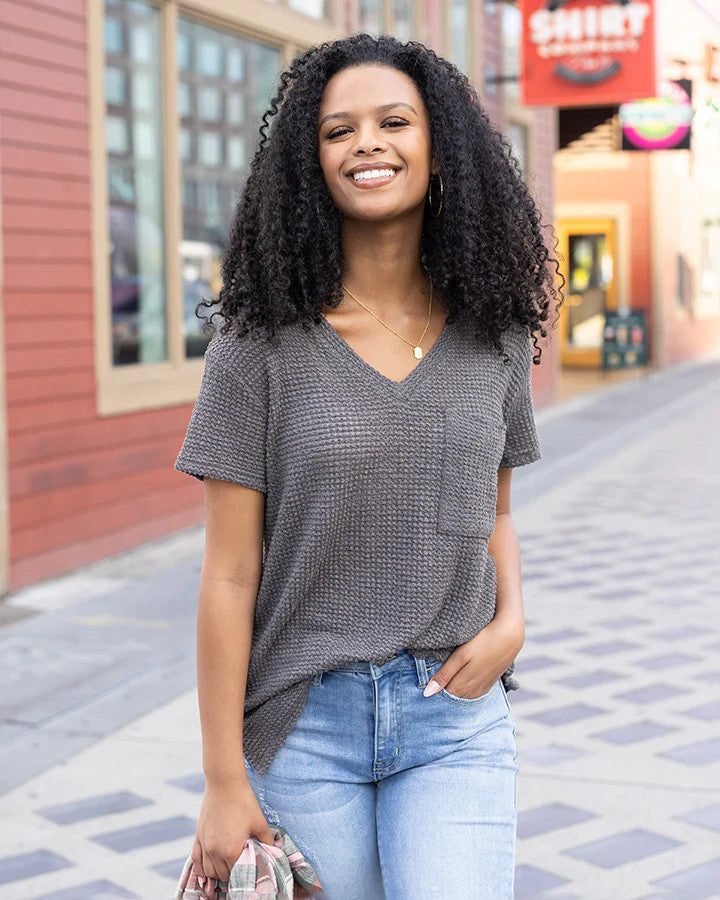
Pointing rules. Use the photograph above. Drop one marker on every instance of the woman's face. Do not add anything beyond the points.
(355, 130)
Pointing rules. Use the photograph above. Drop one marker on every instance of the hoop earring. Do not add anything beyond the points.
(435, 215)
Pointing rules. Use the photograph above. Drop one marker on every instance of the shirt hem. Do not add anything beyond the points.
(200, 471)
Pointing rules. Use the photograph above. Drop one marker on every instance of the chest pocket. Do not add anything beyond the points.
(473, 447)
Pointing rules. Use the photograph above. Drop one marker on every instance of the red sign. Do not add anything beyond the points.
(587, 52)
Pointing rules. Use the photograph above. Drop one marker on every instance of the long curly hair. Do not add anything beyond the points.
(484, 252)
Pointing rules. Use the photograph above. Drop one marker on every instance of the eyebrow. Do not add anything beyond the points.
(383, 108)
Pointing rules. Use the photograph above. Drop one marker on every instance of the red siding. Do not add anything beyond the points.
(81, 487)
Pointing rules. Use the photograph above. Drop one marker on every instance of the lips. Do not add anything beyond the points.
(374, 182)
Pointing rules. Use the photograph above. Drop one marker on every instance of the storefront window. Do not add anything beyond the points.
(403, 11)
(225, 82)
(371, 16)
(134, 138)
(511, 31)
(591, 272)
(459, 34)
(517, 134)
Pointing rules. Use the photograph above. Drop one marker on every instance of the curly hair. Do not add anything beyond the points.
(484, 252)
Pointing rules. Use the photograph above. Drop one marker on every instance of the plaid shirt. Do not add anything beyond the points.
(279, 872)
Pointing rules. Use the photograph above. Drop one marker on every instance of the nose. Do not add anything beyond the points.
(368, 137)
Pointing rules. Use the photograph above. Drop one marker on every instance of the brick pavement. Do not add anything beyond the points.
(618, 715)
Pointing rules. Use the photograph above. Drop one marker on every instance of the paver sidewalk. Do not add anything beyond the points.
(618, 715)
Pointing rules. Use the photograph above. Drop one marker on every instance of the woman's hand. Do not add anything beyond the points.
(473, 667)
(229, 815)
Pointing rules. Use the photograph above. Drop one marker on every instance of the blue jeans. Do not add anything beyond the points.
(391, 795)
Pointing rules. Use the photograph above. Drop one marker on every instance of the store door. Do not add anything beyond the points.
(588, 265)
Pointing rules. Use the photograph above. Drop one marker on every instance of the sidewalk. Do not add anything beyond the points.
(618, 714)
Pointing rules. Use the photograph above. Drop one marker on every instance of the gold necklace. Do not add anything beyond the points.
(417, 349)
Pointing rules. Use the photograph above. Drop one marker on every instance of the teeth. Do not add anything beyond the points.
(372, 173)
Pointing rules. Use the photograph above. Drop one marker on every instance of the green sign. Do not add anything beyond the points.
(624, 339)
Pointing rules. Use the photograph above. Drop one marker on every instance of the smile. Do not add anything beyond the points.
(373, 177)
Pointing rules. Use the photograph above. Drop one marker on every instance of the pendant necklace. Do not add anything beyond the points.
(417, 349)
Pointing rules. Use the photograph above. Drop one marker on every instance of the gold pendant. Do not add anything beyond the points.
(418, 352)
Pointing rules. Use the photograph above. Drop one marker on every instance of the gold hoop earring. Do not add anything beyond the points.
(435, 215)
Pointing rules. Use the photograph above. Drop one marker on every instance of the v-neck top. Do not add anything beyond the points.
(380, 497)
(396, 387)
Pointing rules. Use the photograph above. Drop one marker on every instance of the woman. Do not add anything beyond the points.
(360, 411)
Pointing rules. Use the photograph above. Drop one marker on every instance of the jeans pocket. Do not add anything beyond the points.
(432, 668)
(473, 447)
(448, 696)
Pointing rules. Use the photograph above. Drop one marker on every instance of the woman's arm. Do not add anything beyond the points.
(471, 668)
(505, 548)
(229, 581)
(231, 572)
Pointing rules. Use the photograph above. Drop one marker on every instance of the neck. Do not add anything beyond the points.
(382, 266)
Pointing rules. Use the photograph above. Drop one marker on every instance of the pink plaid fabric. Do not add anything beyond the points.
(262, 871)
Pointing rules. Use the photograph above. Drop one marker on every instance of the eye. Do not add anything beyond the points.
(393, 123)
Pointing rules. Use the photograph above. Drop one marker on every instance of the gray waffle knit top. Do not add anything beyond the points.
(379, 498)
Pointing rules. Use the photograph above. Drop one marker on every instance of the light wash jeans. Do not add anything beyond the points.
(391, 795)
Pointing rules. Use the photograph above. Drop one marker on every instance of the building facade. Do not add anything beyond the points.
(127, 130)
(640, 228)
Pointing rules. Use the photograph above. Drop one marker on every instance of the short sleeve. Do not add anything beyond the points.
(226, 435)
(522, 445)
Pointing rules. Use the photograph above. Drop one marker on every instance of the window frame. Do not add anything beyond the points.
(141, 386)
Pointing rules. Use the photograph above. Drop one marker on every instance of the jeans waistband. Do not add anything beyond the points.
(401, 659)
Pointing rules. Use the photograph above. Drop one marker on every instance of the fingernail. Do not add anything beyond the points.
(432, 688)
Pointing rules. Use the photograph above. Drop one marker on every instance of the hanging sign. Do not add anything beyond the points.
(659, 123)
(587, 52)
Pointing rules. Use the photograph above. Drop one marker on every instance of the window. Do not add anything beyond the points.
(222, 84)
(459, 31)
(136, 190)
(511, 32)
(517, 134)
(371, 16)
(403, 13)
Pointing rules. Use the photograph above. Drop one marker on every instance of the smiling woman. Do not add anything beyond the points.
(360, 411)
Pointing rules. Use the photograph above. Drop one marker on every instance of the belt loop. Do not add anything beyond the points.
(422, 672)
(317, 678)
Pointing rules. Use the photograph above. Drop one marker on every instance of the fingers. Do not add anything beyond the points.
(220, 868)
(197, 857)
(266, 835)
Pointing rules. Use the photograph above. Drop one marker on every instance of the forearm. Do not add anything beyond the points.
(505, 548)
(224, 636)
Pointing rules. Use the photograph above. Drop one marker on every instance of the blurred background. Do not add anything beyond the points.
(126, 132)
